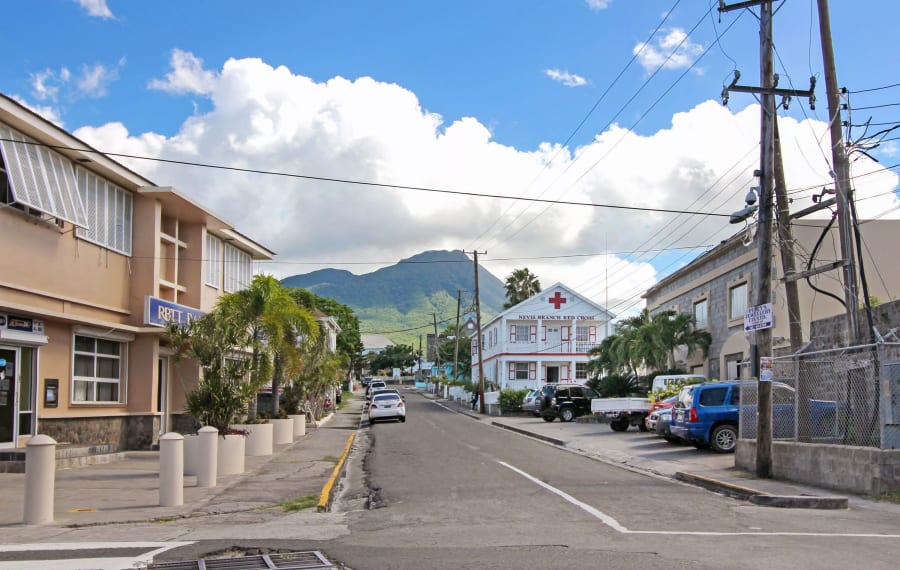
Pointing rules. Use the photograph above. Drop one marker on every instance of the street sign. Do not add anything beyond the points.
(758, 318)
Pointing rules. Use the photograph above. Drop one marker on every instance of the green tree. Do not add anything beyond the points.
(520, 285)
(395, 356)
(447, 348)
(349, 339)
(273, 323)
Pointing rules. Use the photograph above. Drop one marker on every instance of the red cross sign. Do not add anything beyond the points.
(557, 300)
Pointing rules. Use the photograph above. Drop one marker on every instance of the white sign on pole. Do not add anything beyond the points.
(758, 318)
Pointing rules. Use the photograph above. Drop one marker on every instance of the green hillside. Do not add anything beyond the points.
(404, 296)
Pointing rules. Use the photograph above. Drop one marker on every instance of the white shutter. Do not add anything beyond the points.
(532, 333)
(512, 370)
(564, 373)
(532, 370)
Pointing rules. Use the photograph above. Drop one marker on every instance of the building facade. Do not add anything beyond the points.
(98, 260)
(717, 288)
(544, 339)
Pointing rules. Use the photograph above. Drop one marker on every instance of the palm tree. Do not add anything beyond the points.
(273, 322)
(520, 285)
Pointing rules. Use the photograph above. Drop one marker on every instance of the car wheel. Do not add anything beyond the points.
(548, 418)
(723, 439)
(672, 439)
(643, 427)
(619, 425)
(403, 419)
(566, 415)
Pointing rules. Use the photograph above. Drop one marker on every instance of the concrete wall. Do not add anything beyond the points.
(861, 470)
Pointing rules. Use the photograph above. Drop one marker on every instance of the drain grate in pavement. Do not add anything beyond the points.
(308, 560)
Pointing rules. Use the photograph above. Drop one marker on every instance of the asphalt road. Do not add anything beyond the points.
(447, 491)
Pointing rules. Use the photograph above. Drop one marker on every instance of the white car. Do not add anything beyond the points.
(387, 406)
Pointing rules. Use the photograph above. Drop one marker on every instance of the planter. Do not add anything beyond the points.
(299, 424)
(191, 452)
(283, 431)
(259, 438)
(230, 460)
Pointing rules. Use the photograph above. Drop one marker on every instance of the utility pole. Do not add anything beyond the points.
(456, 350)
(841, 175)
(761, 340)
(421, 376)
(479, 345)
(437, 345)
(786, 247)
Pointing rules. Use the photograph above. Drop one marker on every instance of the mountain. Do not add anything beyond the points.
(408, 294)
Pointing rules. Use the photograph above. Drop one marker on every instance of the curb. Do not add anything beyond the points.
(325, 496)
(760, 498)
(548, 439)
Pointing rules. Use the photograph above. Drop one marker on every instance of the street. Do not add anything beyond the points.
(447, 490)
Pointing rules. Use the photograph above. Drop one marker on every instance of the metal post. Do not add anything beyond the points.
(456, 351)
(479, 344)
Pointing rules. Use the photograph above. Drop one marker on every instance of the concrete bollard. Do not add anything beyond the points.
(171, 470)
(40, 479)
(208, 457)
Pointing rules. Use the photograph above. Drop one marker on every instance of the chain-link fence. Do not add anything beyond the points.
(829, 396)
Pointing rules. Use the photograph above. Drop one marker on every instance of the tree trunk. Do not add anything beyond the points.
(276, 382)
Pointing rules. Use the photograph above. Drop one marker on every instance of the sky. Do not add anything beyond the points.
(583, 139)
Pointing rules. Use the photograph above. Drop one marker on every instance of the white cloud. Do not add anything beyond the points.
(187, 75)
(598, 4)
(271, 119)
(566, 78)
(95, 79)
(675, 45)
(96, 8)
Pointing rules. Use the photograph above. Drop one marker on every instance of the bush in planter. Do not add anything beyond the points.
(511, 400)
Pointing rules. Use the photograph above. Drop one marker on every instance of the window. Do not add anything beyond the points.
(523, 333)
(713, 396)
(582, 334)
(576, 392)
(701, 312)
(581, 371)
(213, 261)
(99, 366)
(41, 179)
(109, 213)
(238, 269)
(737, 301)
(522, 371)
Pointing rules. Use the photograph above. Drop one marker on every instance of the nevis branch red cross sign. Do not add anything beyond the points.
(557, 300)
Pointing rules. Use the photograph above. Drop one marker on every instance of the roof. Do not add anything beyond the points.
(375, 341)
(557, 285)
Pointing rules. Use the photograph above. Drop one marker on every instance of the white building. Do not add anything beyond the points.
(543, 339)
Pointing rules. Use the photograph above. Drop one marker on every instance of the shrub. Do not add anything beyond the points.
(511, 400)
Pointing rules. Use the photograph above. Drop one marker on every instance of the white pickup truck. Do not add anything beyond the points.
(621, 412)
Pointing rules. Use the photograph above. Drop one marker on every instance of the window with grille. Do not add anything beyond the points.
(582, 334)
(238, 269)
(523, 333)
(109, 212)
(701, 310)
(213, 261)
(737, 301)
(98, 370)
(581, 371)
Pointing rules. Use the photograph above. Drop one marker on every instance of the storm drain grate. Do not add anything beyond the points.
(308, 560)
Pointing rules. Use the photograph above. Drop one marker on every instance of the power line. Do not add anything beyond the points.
(892, 85)
(368, 183)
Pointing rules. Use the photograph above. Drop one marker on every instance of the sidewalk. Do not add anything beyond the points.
(128, 490)
(652, 455)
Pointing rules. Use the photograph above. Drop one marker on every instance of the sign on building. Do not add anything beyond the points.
(758, 318)
(158, 312)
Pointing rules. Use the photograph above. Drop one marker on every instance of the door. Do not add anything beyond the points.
(552, 374)
(553, 340)
(162, 395)
(8, 415)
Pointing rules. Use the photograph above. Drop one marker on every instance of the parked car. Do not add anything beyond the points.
(529, 402)
(661, 405)
(374, 385)
(378, 391)
(708, 414)
(663, 425)
(386, 406)
(568, 402)
(542, 400)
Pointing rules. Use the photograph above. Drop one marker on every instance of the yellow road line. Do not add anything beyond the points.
(325, 496)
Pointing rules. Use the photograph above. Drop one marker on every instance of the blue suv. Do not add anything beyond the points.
(707, 415)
